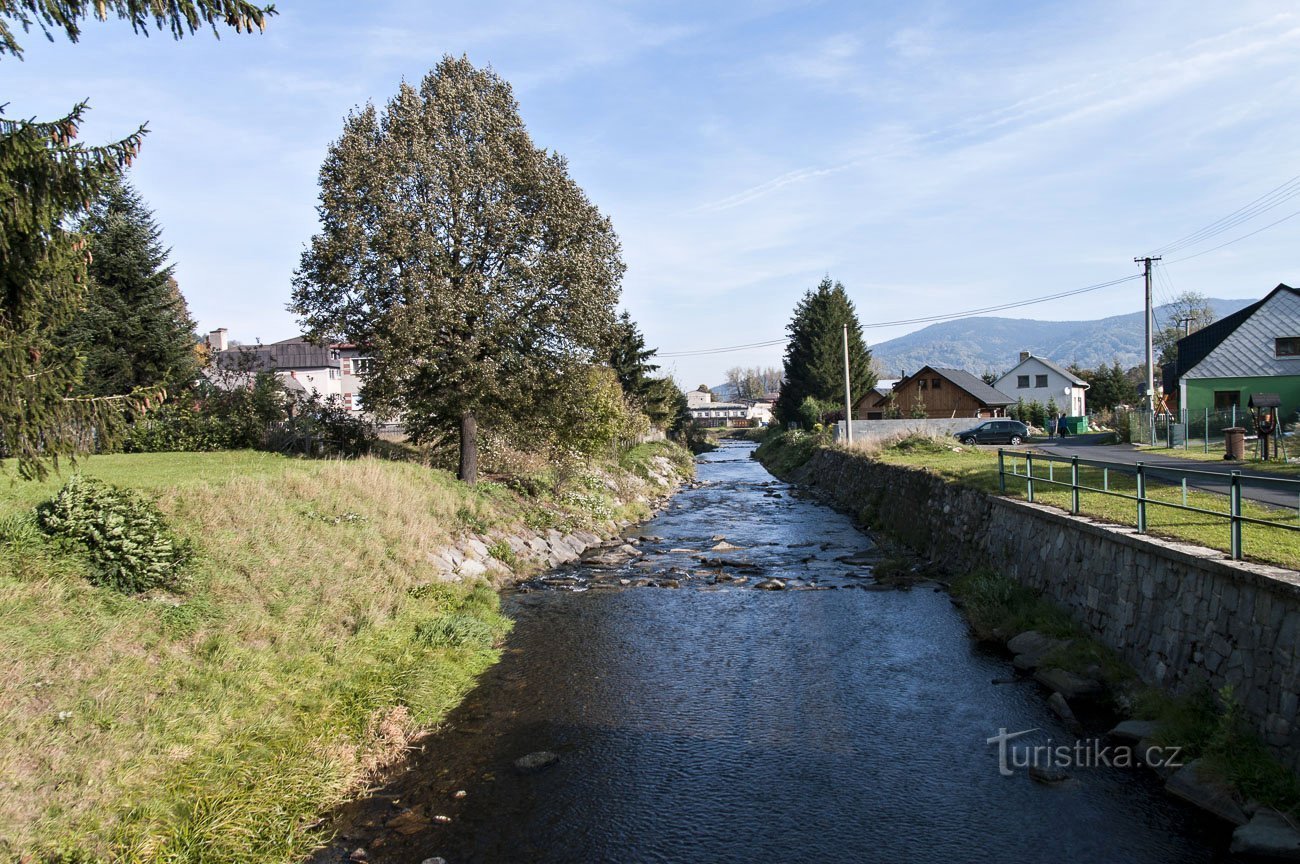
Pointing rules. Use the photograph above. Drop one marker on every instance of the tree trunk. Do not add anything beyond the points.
(468, 448)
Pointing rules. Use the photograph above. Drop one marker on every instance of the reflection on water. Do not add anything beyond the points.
(716, 722)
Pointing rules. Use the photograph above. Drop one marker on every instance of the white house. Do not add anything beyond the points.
(699, 398)
(760, 412)
(1036, 379)
(301, 365)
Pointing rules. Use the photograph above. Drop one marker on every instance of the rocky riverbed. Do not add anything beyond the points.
(749, 676)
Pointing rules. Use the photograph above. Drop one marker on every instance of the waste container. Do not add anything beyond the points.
(1234, 443)
(1077, 425)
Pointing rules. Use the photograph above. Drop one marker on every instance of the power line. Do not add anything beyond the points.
(1237, 240)
(926, 320)
(1273, 198)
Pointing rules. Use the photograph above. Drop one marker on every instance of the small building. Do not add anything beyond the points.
(302, 365)
(1253, 350)
(864, 408)
(721, 414)
(944, 393)
(699, 397)
(760, 412)
(1037, 379)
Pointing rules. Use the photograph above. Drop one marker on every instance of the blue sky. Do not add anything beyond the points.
(934, 157)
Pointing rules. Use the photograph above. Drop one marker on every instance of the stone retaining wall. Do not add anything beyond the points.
(1179, 614)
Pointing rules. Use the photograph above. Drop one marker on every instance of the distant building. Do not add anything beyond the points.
(721, 414)
(300, 365)
(760, 412)
(1036, 379)
(699, 398)
(944, 393)
(864, 408)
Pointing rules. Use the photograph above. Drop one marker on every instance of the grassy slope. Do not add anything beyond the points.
(216, 725)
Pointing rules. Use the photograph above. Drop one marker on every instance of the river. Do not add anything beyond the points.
(719, 723)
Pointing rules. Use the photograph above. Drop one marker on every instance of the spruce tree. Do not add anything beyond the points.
(135, 330)
(814, 356)
(629, 357)
(46, 180)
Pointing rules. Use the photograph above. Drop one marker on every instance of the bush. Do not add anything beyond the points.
(130, 546)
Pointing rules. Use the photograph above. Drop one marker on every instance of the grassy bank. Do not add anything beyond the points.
(308, 644)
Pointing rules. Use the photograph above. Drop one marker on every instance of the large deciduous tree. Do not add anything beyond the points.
(1186, 313)
(814, 356)
(135, 330)
(47, 179)
(460, 256)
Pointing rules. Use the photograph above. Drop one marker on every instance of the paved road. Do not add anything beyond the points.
(1256, 485)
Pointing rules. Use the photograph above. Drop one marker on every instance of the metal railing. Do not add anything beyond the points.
(1234, 517)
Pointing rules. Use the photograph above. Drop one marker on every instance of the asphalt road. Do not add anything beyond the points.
(1213, 477)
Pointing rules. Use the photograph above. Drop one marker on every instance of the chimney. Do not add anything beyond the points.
(217, 339)
(1024, 355)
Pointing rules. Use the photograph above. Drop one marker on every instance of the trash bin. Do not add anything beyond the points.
(1234, 443)
(1077, 425)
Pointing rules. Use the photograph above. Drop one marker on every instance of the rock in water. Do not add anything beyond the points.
(1062, 709)
(1134, 730)
(1209, 793)
(536, 761)
(1069, 684)
(724, 546)
(1268, 835)
(1049, 775)
(771, 585)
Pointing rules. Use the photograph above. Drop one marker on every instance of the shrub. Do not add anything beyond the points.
(126, 538)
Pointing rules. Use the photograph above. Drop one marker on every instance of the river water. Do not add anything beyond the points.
(720, 723)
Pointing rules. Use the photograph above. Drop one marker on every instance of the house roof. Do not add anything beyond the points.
(288, 354)
(1055, 367)
(972, 384)
(1194, 348)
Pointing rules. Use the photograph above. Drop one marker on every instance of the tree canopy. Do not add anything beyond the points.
(135, 330)
(179, 17)
(47, 180)
(814, 356)
(1187, 313)
(460, 256)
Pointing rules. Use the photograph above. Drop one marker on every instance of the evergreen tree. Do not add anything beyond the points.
(45, 182)
(814, 356)
(1109, 386)
(919, 409)
(629, 357)
(461, 257)
(135, 330)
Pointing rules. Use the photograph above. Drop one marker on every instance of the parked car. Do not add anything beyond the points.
(995, 432)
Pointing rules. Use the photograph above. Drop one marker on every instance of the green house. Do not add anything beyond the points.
(1253, 350)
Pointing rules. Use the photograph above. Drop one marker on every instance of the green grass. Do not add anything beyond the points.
(979, 469)
(1216, 456)
(783, 451)
(311, 642)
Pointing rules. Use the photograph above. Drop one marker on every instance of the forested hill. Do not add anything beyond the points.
(994, 344)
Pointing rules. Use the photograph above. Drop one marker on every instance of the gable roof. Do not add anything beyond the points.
(972, 384)
(1195, 348)
(288, 354)
(1064, 373)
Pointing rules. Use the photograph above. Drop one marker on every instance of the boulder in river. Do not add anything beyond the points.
(1268, 836)
(723, 546)
(1134, 730)
(1062, 709)
(1048, 774)
(536, 761)
(1069, 684)
(1212, 794)
(771, 585)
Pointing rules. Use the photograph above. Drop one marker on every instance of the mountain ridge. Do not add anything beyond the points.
(990, 344)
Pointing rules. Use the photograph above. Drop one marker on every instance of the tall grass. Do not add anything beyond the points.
(313, 639)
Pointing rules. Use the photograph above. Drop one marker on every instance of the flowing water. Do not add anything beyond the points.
(715, 722)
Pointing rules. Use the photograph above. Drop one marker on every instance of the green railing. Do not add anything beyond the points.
(1009, 467)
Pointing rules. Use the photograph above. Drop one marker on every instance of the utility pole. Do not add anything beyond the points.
(848, 392)
(1151, 362)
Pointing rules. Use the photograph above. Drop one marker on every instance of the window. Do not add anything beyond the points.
(1040, 381)
(1226, 400)
(361, 365)
(353, 401)
(1022, 382)
(934, 383)
(1287, 346)
(334, 373)
(921, 384)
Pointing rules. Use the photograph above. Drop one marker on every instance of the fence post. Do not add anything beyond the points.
(1235, 513)
(1074, 485)
(1105, 479)
(1002, 477)
(1142, 498)
(1029, 477)
(1184, 491)
(1206, 435)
